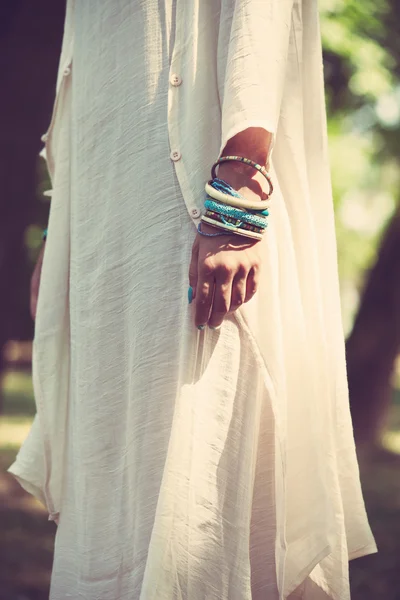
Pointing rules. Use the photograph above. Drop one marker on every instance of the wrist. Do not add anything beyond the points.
(236, 169)
(253, 143)
(244, 179)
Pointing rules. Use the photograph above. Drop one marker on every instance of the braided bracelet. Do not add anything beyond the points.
(247, 161)
(253, 205)
(225, 188)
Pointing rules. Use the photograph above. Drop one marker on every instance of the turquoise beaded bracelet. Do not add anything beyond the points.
(235, 213)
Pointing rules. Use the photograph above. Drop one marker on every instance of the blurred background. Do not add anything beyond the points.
(362, 71)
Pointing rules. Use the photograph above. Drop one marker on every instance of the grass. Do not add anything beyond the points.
(27, 537)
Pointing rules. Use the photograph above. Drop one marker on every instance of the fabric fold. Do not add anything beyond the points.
(253, 45)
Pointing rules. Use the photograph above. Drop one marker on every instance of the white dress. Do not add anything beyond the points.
(179, 464)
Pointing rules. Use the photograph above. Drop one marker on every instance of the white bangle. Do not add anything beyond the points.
(237, 202)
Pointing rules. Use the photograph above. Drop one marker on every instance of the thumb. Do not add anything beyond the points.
(193, 268)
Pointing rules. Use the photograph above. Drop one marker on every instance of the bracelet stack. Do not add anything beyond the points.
(229, 211)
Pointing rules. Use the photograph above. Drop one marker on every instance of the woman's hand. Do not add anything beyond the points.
(35, 282)
(223, 274)
(224, 270)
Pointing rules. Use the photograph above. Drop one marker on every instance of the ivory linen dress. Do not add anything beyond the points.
(179, 464)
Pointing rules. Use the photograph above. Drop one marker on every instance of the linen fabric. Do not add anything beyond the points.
(179, 464)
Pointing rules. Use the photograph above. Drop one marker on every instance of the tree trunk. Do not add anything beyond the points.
(374, 343)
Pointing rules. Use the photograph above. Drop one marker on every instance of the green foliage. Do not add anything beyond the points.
(362, 75)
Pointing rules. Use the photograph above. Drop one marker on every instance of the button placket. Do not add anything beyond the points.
(62, 83)
(175, 80)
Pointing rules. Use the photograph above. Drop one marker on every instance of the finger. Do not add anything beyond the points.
(222, 298)
(35, 283)
(193, 268)
(205, 291)
(33, 305)
(34, 292)
(251, 284)
(239, 290)
(33, 300)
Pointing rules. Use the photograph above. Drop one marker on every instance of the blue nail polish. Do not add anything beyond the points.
(190, 294)
(201, 327)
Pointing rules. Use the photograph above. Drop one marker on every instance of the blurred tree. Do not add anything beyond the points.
(362, 72)
(374, 343)
(30, 41)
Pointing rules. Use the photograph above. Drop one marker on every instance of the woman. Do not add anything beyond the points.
(197, 450)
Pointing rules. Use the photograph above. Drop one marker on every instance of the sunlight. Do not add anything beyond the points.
(391, 441)
(13, 432)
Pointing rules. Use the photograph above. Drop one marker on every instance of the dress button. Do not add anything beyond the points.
(67, 71)
(44, 137)
(175, 155)
(195, 212)
(175, 79)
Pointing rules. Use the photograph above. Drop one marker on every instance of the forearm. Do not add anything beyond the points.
(254, 143)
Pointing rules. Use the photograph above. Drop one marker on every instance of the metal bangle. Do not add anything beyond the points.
(246, 161)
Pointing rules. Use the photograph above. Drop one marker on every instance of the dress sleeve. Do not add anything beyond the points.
(65, 57)
(253, 45)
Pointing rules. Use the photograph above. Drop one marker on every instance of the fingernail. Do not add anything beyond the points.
(201, 327)
(216, 327)
(190, 294)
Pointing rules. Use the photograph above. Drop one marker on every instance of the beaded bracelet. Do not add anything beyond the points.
(232, 229)
(253, 205)
(247, 161)
(233, 222)
(44, 235)
(235, 213)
